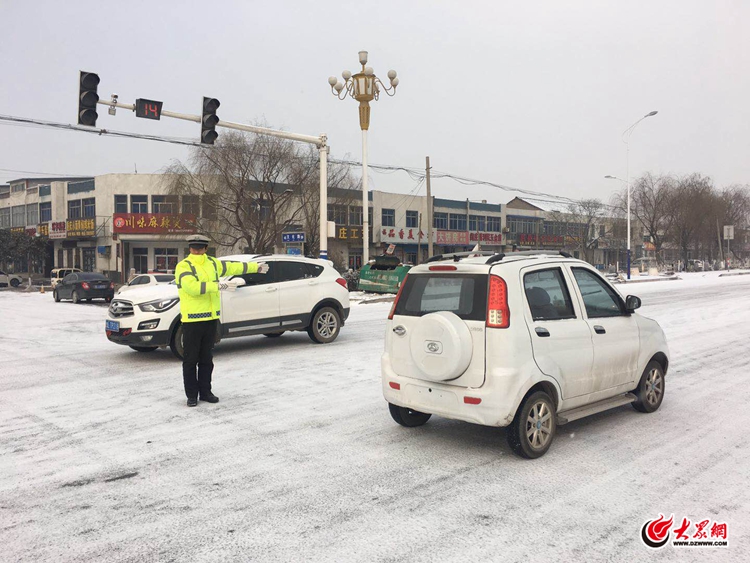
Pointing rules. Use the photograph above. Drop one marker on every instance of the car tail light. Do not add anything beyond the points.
(443, 268)
(472, 400)
(498, 312)
(111, 285)
(342, 283)
(85, 285)
(394, 385)
(395, 301)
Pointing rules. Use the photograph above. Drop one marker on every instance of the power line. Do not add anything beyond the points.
(415, 174)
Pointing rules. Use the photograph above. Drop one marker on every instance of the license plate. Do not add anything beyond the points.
(113, 325)
(99, 286)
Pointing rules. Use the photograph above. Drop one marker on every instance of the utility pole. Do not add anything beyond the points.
(419, 239)
(429, 208)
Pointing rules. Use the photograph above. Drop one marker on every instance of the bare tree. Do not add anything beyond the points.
(651, 203)
(580, 221)
(692, 197)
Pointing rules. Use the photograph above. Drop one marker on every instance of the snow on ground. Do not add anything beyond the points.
(100, 459)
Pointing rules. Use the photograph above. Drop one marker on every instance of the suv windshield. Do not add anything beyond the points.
(463, 295)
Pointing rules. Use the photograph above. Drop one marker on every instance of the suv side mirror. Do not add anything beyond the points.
(632, 303)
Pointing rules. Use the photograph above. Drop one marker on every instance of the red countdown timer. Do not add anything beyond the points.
(149, 109)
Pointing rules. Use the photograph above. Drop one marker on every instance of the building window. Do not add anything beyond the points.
(412, 220)
(337, 214)
(5, 218)
(476, 223)
(493, 224)
(440, 221)
(209, 207)
(355, 215)
(165, 258)
(17, 188)
(89, 207)
(265, 210)
(457, 222)
(355, 258)
(389, 217)
(45, 212)
(74, 209)
(522, 226)
(411, 257)
(18, 216)
(139, 204)
(121, 204)
(164, 204)
(32, 213)
(191, 205)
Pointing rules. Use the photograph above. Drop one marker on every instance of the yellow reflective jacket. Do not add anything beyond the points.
(198, 285)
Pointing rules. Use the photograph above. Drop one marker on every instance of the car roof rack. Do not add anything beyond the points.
(456, 256)
(500, 256)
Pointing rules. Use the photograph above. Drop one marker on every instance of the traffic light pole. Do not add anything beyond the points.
(321, 142)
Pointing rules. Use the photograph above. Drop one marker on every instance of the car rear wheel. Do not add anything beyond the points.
(144, 348)
(531, 433)
(650, 391)
(408, 417)
(76, 298)
(175, 344)
(56, 296)
(14, 282)
(324, 326)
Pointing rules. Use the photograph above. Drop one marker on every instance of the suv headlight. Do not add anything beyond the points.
(158, 306)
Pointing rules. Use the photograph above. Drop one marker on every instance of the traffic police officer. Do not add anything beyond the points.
(200, 307)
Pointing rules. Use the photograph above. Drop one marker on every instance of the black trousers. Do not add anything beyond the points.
(198, 341)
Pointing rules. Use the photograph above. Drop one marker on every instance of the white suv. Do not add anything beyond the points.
(525, 340)
(296, 294)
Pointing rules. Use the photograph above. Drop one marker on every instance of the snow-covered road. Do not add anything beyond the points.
(100, 459)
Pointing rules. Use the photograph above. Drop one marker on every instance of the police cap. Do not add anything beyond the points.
(198, 240)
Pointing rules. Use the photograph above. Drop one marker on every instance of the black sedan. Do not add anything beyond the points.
(84, 286)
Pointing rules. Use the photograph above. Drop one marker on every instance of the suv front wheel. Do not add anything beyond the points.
(531, 433)
(325, 325)
(175, 344)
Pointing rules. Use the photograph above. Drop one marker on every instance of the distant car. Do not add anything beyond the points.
(58, 274)
(296, 294)
(144, 280)
(84, 286)
(9, 280)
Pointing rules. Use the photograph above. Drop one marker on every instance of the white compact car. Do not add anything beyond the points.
(144, 280)
(11, 280)
(525, 340)
(296, 294)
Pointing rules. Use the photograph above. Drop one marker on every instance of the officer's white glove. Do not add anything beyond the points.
(262, 268)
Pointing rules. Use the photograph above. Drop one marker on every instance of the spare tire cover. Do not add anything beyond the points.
(441, 346)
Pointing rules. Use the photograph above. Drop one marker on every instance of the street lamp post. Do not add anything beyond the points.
(363, 87)
(626, 139)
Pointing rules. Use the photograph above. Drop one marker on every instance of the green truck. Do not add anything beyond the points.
(384, 274)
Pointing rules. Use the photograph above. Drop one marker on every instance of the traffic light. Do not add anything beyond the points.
(87, 98)
(209, 120)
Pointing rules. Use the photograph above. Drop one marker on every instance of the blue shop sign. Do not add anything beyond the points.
(292, 237)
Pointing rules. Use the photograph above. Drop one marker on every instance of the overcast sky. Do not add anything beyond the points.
(533, 95)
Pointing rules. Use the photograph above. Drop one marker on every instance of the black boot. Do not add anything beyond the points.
(192, 402)
(209, 397)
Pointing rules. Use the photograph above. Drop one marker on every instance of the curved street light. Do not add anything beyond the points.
(364, 87)
(626, 139)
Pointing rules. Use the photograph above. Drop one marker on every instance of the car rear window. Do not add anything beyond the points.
(91, 276)
(463, 295)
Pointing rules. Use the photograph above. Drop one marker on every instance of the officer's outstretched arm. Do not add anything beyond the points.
(240, 268)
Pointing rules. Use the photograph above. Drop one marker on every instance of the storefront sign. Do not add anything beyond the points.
(542, 240)
(292, 237)
(153, 223)
(31, 231)
(453, 238)
(81, 227)
(58, 230)
(491, 238)
(18, 229)
(347, 232)
(403, 235)
(43, 229)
